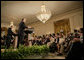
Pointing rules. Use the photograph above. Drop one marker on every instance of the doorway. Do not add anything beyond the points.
(62, 24)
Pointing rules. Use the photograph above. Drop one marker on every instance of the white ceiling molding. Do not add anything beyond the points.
(16, 10)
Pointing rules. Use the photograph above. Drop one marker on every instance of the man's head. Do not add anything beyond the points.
(76, 38)
(77, 35)
(57, 33)
(53, 34)
(24, 20)
(11, 26)
(81, 30)
(75, 31)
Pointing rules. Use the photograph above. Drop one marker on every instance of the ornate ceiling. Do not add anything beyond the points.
(16, 10)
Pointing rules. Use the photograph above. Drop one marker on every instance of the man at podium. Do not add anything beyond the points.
(21, 33)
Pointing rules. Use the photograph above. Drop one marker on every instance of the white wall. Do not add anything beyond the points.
(4, 25)
(75, 17)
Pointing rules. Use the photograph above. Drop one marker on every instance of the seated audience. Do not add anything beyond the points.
(76, 49)
(71, 45)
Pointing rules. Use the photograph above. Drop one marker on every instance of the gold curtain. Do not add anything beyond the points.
(62, 24)
(4, 29)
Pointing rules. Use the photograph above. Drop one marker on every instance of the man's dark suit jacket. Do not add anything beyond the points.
(22, 26)
(9, 35)
(76, 51)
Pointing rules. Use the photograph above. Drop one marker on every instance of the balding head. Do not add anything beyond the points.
(24, 20)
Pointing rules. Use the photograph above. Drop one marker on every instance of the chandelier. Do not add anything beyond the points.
(44, 14)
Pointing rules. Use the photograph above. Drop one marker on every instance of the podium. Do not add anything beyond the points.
(28, 32)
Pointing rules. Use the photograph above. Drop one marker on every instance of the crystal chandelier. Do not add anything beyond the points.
(44, 14)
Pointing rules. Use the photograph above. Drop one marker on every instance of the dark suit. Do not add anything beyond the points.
(37, 42)
(53, 47)
(9, 37)
(40, 42)
(58, 40)
(21, 33)
(33, 42)
(76, 51)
